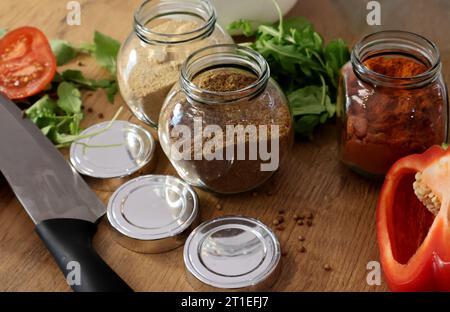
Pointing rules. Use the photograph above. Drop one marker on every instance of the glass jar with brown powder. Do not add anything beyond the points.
(392, 101)
(165, 33)
(226, 125)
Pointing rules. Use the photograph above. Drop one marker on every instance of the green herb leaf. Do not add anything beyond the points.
(306, 124)
(244, 26)
(69, 98)
(111, 92)
(336, 54)
(43, 108)
(3, 32)
(63, 51)
(105, 52)
(306, 101)
(77, 77)
(306, 68)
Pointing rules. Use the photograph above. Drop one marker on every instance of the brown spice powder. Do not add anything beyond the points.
(225, 81)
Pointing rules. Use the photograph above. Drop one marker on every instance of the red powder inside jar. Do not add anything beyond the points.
(383, 123)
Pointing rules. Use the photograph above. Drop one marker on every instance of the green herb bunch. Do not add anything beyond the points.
(58, 111)
(306, 68)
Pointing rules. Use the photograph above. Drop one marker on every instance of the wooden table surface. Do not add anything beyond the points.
(312, 179)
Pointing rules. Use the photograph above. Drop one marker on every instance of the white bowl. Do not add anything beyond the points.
(255, 10)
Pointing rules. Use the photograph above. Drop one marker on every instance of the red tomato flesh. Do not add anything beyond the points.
(27, 63)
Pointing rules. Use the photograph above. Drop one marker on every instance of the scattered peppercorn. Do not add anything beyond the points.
(280, 228)
(310, 216)
(302, 249)
(300, 222)
(281, 211)
(301, 238)
(309, 223)
(219, 207)
(100, 115)
(327, 267)
(296, 217)
(283, 253)
(82, 107)
(276, 222)
(81, 64)
(90, 110)
(280, 219)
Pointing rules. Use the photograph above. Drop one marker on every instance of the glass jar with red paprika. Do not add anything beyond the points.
(392, 101)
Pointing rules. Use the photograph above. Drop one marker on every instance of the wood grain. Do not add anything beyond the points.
(311, 180)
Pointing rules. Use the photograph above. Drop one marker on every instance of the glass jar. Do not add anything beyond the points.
(392, 101)
(225, 126)
(165, 33)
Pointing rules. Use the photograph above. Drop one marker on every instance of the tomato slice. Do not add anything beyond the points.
(27, 63)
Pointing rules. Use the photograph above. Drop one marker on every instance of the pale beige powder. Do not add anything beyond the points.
(158, 67)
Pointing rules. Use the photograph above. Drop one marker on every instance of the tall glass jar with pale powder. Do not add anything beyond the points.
(165, 33)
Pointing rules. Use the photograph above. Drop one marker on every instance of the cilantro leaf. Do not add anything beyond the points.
(42, 111)
(69, 98)
(111, 91)
(105, 52)
(77, 77)
(63, 51)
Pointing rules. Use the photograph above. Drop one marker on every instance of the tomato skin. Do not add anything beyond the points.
(27, 63)
(428, 268)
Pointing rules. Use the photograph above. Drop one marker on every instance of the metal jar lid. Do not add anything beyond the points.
(118, 150)
(153, 213)
(232, 253)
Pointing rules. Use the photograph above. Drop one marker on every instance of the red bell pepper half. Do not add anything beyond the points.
(414, 243)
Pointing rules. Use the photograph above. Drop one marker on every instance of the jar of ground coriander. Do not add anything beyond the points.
(225, 126)
(165, 32)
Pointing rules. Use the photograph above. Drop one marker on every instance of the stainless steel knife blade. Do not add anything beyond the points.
(45, 184)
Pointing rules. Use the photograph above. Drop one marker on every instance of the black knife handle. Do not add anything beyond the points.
(70, 243)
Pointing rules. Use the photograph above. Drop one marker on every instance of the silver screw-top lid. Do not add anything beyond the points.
(117, 150)
(232, 253)
(153, 214)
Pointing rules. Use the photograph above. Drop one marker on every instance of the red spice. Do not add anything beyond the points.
(385, 123)
(396, 67)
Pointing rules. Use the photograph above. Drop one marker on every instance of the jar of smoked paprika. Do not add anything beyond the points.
(392, 101)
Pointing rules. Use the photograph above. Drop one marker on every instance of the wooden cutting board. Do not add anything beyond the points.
(311, 180)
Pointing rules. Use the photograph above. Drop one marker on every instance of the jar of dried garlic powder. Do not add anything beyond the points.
(165, 33)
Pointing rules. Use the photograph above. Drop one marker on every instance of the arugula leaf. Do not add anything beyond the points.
(106, 49)
(312, 102)
(69, 98)
(306, 68)
(243, 25)
(63, 51)
(306, 124)
(336, 54)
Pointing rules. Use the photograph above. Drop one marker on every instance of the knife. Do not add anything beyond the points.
(62, 206)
